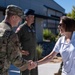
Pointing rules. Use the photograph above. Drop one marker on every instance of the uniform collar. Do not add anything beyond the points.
(30, 27)
(9, 24)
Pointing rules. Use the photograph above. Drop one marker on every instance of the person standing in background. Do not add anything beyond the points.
(27, 37)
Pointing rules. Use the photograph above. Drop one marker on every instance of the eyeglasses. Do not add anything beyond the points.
(60, 24)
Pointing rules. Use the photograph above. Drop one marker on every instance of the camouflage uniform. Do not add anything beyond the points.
(10, 52)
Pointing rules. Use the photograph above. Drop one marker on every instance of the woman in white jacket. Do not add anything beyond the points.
(65, 46)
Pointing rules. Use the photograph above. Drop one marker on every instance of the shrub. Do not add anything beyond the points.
(46, 33)
(39, 51)
(52, 37)
(58, 36)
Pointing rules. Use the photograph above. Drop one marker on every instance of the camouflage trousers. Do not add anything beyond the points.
(5, 73)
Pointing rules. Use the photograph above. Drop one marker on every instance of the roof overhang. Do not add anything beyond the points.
(2, 8)
(46, 17)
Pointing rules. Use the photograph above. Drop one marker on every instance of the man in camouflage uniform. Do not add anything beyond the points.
(9, 43)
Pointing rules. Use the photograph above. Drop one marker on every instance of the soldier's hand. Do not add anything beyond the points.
(31, 64)
(24, 52)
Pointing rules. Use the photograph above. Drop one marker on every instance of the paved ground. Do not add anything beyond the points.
(45, 69)
(49, 68)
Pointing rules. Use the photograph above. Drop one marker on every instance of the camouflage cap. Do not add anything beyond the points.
(15, 10)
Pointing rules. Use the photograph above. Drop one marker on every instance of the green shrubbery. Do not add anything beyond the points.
(48, 35)
(39, 51)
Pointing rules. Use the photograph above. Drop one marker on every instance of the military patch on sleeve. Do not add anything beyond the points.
(18, 29)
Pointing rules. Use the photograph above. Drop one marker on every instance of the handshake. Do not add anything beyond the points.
(30, 65)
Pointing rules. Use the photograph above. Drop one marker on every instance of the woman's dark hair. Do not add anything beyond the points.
(68, 23)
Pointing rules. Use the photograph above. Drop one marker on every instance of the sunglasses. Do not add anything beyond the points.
(60, 24)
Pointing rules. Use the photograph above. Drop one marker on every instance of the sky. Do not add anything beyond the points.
(66, 4)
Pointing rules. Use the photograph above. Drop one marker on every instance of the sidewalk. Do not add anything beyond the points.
(48, 69)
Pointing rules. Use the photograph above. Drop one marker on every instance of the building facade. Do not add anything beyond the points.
(47, 13)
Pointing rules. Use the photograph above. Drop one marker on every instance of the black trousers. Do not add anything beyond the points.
(32, 56)
(31, 72)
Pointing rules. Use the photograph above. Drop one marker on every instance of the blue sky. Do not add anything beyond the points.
(66, 4)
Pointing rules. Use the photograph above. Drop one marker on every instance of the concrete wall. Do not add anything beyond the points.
(1, 16)
(39, 29)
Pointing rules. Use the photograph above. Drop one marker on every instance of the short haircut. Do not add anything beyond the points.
(68, 23)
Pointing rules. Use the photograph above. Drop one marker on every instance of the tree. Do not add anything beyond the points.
(69, 14)
(72, 13)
